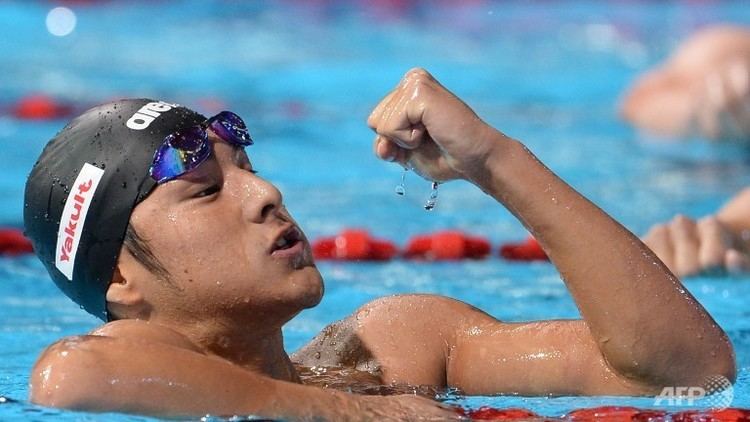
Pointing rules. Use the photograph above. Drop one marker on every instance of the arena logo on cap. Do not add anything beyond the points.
(147, 114)
(74, 217)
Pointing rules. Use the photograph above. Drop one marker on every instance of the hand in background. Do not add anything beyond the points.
(690, 247)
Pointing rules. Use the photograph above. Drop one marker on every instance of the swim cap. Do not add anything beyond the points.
(82, 190)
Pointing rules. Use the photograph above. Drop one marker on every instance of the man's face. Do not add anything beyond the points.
(232, 249)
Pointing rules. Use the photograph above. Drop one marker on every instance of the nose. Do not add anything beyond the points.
(261, 200)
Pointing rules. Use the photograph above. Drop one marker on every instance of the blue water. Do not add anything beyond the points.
(304, 75)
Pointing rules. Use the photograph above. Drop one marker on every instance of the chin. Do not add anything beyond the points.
(315, 288)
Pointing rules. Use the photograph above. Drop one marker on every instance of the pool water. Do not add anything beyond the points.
(305, 75)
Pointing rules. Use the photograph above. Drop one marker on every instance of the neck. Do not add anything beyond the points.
(260, 351)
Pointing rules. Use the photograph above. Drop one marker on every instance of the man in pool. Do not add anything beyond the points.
(168, 233)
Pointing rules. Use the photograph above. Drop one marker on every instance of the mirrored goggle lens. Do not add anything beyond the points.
(231, 128)
(180, 153)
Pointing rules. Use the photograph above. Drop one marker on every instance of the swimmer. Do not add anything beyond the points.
(151, 217)
(716, 244)
(702, 90)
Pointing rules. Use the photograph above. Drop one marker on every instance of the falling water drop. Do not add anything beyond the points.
(432, 200)
(401, 188)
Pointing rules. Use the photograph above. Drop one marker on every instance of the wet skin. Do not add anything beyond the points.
(209, 340)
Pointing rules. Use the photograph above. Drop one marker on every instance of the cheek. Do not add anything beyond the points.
(184, 241)
(215, 250)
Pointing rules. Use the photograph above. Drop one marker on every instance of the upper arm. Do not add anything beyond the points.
(557, 357)
(433, 340)
(426, 339)
(410, 336)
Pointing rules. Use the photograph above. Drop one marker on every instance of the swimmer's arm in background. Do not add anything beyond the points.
(719, 242)
(646, 325)
(735, 215)
(105, 374)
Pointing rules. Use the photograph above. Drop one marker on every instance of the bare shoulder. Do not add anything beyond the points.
(406, 338)
(75, 370)
(420, 307)
(63, 370)
(146, 332)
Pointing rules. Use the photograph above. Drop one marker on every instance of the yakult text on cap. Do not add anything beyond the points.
(74, 217)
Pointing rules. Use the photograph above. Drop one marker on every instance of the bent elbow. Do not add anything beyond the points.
(709, 366)
(682, 365)
(723, 363)
(718, 361)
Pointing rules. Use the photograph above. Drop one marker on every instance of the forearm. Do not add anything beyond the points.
(646, 324)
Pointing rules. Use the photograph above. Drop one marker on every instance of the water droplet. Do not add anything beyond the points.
(432, 200)
(401, 188)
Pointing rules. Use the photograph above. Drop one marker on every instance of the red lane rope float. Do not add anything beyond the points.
(13, 242)
(724, 415)
(529, 250)
(486, 413)
(446, 245)
(40, 107)
(609, 414)
(359, 245)
(353, 245)
(613, 414)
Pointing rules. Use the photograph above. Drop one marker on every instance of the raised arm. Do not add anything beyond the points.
(647, 327)
(98, 374)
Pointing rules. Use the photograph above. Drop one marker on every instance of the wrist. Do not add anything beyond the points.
(496, 169)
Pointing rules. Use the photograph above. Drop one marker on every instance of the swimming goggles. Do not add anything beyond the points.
(185, 150)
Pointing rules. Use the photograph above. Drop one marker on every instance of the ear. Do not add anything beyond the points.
(123, 291)
(125, 296)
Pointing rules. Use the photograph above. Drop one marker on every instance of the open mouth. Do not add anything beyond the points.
(288, 240)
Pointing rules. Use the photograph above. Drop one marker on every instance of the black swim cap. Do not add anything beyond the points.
(82, 190)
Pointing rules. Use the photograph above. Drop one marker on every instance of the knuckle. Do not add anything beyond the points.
(710, 224)
(680, 221)
(418, 74)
